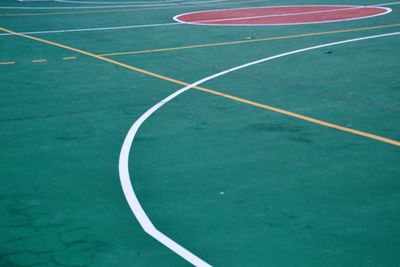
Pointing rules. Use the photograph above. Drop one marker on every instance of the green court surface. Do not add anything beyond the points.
(290, 162)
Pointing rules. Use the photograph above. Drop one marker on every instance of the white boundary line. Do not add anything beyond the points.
(176, 18)
(125, 179)
(107, 3)
(117, 6)
(387, 4)
(98, 29)
(149, 5)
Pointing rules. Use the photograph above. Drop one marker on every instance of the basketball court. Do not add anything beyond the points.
(199, 132)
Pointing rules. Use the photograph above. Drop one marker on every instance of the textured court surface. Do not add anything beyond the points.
(219, 172)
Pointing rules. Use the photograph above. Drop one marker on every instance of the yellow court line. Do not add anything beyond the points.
(302, 117)
(237, 99)
(125, 10)
(249, 41)
(7, 63)
(39, 60)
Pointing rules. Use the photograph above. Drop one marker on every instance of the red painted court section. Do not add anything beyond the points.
(281, 15)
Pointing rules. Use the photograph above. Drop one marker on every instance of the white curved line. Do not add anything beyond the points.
(129, 193)
(117, 6)
(278, 15)
(209, 22)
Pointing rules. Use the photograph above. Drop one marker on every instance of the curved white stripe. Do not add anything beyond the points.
(126, 147)
(210, 22)
(129, 193)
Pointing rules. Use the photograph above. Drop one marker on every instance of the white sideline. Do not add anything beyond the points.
(129, 193)
(98, 29)
(114, 6)
(129, 2)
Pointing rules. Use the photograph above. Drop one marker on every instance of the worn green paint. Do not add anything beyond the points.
(294, 193)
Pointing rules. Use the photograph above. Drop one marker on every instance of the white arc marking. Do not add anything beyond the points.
(129, 193)
(345, 8)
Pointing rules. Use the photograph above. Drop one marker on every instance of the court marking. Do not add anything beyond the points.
(387, 4)
(69, 58)
(249, 41)
(148, 25)
(145, 4)
(172, 80)
(127, 144)
(136, 208)
(97, 29)
(236, 42)
(126, 10)
(233, 42)
(129, 2)
(101, 7)
(39, 60)
(206, 22)
(91, 2)
(7, 63)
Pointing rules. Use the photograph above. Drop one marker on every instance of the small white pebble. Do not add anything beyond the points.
(221, 193)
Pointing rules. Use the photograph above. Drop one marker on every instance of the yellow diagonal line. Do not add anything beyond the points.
(125, 9)
(249, 41)
(302, 117)
(214, 92)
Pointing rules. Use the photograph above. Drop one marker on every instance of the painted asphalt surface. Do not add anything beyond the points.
(234, 184)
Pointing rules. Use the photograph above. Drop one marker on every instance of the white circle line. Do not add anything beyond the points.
(176, 18)
(124, 175)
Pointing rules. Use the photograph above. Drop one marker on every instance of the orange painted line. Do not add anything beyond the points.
(214, 92)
